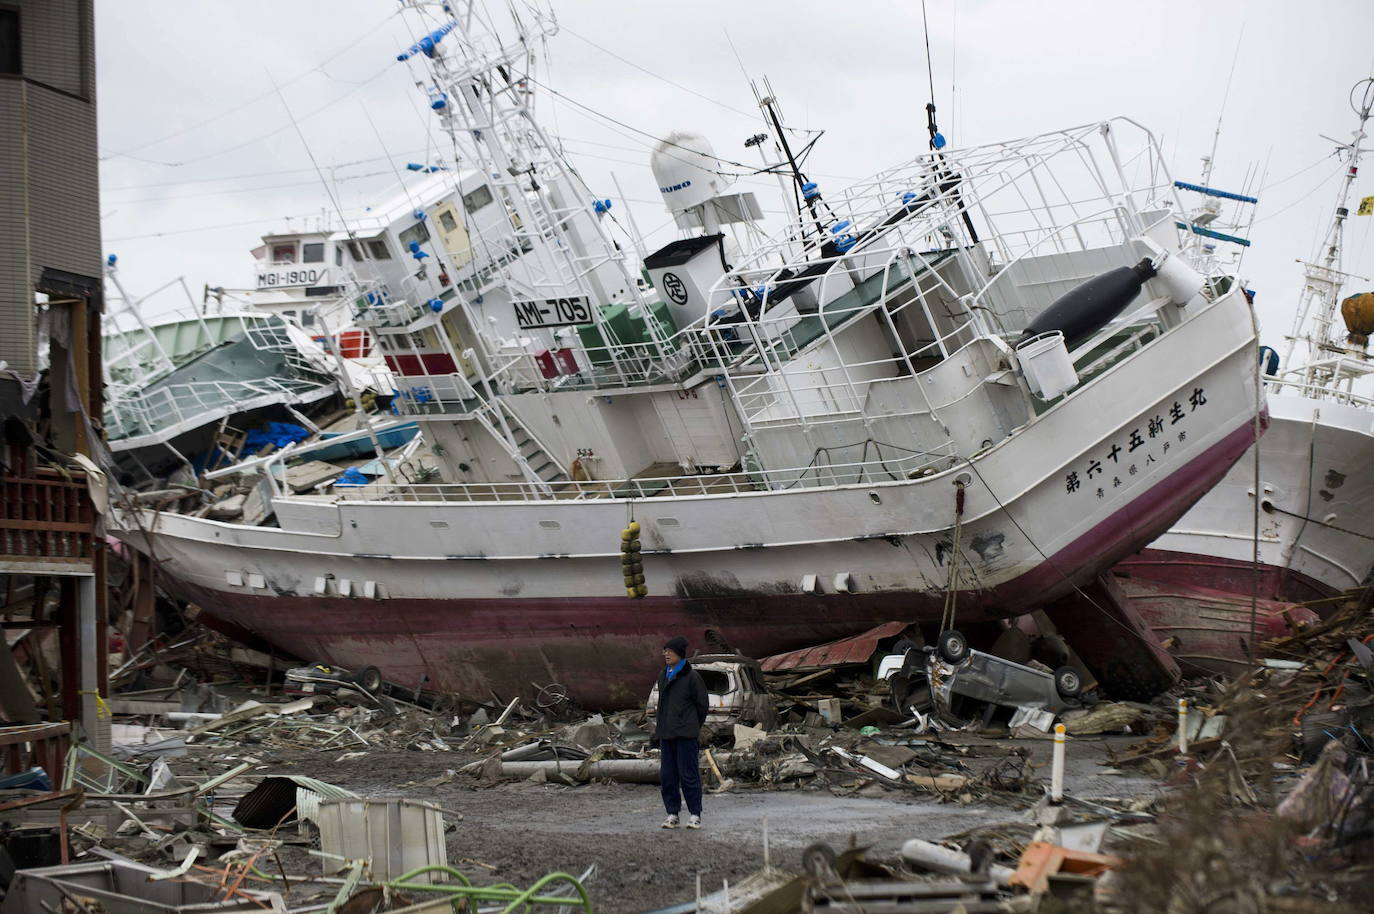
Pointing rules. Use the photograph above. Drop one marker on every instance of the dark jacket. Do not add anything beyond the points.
(682, 704)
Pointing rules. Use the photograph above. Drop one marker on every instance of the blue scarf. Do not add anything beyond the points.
(676, 668)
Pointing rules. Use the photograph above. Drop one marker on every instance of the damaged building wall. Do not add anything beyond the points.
(50, 299)
(49, 195)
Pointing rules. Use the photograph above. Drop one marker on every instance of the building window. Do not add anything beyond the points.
(11, 60)
(476, 199)
(417, 232)
(312, 253)
(378, 249)
(284, 253)
(447, 221)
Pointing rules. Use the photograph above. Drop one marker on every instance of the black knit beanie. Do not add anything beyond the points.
(678, 645)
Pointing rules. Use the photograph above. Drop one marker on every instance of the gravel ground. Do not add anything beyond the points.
(517, 832)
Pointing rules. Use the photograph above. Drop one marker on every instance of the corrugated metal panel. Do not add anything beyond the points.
(272, 801)
(49, 174)
(397, 835)
(857, 649)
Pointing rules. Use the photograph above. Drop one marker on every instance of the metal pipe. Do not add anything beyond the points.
(940, 859)
(626, 771)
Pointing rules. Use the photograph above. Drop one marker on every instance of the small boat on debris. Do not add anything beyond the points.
(966, 385)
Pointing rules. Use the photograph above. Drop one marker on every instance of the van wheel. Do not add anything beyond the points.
(953, 646)
(1067, 682)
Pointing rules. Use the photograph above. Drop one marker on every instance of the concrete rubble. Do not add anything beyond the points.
(219, 790)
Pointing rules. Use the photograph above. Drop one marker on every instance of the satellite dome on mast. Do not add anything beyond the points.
(687, 171)
(694, 181)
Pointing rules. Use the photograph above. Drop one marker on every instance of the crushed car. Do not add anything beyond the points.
(735, 692)
(961, 684)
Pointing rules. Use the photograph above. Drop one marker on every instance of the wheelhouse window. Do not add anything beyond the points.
(312, 252)
(447, 222)
(417, 232)
(378, 249)
(338, 255)
(355, 249)
(284, 253)
(475, 199)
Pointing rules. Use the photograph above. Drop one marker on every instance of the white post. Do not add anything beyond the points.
(96, 728)
(1057, 766)
(1183, 726)
(767, 860)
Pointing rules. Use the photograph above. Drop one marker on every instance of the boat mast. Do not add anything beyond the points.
(1322, 281)
(482, 90)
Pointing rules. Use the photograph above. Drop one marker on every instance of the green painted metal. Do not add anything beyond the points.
(506, 893)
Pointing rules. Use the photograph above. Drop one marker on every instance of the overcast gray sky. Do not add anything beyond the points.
(199, 157)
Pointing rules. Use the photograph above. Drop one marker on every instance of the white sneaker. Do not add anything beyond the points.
(694, 822)
(671, 822)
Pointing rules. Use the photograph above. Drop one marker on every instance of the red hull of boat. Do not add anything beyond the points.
(1201, 605)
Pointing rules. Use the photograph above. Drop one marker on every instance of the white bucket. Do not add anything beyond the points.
(1046, 364)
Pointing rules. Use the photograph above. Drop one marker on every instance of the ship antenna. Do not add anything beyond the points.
(1323, 279)
(936, 140)
(333, 345)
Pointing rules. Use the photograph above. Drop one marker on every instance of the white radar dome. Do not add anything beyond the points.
(687, 170)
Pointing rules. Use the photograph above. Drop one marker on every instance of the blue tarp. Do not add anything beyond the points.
(279, 433)
(33, 779)
(352, 477)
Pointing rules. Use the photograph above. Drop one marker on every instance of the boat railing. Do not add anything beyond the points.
(903, 465)
(166, 407)
(1319, 392)
(434, 393)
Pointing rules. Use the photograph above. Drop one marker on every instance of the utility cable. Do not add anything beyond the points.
(239, 107)
(664, 79)
(749, 170)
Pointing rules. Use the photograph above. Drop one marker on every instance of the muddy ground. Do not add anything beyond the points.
(518, 831)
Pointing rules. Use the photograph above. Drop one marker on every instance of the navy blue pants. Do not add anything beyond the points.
(680, 775)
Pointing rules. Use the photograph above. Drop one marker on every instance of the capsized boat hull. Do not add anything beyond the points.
(605, 649)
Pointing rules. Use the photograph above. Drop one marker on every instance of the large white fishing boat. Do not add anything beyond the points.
(968, 384)
(1316, 499)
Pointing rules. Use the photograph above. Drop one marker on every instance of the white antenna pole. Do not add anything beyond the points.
(1323, 279)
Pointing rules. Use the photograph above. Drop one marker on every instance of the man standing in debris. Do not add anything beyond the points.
(682, 707)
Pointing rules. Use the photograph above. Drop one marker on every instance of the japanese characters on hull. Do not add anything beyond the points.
(1158, 436)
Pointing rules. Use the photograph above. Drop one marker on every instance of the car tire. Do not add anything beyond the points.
(370, 678)
(953, 646)
(1067, 682)
(904, 645)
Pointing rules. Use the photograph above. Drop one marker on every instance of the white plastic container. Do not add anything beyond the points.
(1046, 364)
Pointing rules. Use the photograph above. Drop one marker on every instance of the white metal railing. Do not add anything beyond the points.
(433, 392)
(814, 475)
(163, 407)
(1319, 392)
